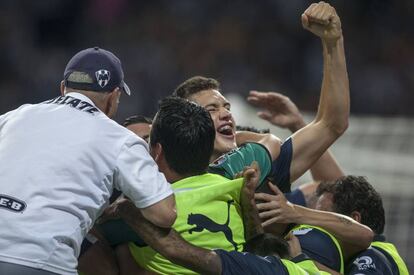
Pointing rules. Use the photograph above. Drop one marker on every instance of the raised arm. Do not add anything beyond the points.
(331, 120)
(280, 111)
(311, 141)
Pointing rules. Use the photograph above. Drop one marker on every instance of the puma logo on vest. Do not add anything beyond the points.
(202, 222)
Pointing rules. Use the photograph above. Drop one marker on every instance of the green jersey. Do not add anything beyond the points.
(233, 162)
(208, 216)
(306, 267)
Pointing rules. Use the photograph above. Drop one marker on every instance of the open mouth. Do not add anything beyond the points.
(226, 130)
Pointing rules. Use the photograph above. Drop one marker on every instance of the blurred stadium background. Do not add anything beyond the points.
(246, 45)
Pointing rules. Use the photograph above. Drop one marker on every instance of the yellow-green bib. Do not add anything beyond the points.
(208, 216)
(392, 251)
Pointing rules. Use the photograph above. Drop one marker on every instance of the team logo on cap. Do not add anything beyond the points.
(103, 77)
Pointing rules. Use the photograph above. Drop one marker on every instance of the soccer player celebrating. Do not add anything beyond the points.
(282, 164)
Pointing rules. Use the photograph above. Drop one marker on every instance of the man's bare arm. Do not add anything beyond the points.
(162, 213)
(276, 209)
(280, 111)
(169, 243)
(331, 120)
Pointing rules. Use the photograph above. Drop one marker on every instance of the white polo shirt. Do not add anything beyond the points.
(59, 163)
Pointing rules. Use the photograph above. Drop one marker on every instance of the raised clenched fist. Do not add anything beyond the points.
(322, 20)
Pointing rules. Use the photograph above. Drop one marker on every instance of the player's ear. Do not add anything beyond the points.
(62, 87)
(156, 152)
(356, 216)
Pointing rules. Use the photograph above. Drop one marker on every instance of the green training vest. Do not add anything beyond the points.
(392, 251)
(208, 216)
(338, 246)
(303, 267)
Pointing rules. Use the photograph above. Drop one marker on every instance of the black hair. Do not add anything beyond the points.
(252, 129)
(136, 119)
(355, 193)
(267, 244)
(186, 132)
(194, 85)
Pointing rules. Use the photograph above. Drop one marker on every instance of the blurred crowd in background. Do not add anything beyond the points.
(245, 44)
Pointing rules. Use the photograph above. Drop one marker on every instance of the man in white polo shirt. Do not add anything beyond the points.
(59, 163)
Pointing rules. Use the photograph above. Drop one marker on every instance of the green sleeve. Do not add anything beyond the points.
(228, 165)
(302, 266)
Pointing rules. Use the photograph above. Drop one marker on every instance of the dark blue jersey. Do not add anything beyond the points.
(372, 261)
(319, 246)
(280, 173)
(236, 263)
(246, 263)
(296, 197)
(381, 258)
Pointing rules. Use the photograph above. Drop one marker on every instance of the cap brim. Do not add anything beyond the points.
(126, 88)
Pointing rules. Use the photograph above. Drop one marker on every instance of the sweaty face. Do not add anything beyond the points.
(219, 108)
(141, 129)
(325, 202)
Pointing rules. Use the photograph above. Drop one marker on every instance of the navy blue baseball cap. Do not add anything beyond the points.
(95, 69)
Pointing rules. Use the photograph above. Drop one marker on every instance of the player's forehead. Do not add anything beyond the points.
(325, 202)
(139, 128)
(209, 97)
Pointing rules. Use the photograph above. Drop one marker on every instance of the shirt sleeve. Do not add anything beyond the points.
(280, 172)
(4, 117)
(228, 165)
(234, 262)
(137, 176)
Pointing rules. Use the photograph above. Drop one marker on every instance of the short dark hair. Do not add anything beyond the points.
(267, 244)
(186, 132)
(194, 85)
(136, 119)
(252, 129)
(355, 193)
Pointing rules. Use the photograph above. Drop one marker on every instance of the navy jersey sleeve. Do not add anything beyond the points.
(370, 261)
(319, 247)
(245, 263)
(280, 170)
(296, 197)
